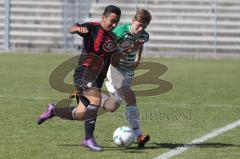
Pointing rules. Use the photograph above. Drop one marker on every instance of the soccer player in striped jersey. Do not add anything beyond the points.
(119, 78)
(99, 47)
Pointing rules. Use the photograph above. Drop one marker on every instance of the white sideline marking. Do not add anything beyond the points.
(200, 140)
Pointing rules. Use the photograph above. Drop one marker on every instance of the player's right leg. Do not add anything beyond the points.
(48, 114)
(61, 109)
(132, 114)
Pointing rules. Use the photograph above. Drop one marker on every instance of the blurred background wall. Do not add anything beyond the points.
(179, 27)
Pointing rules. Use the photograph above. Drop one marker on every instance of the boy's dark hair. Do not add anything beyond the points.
(112, 9)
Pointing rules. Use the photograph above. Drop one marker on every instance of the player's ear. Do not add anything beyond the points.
(132, 20)
(103, 17)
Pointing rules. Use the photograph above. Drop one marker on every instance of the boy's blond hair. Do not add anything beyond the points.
(143, 16)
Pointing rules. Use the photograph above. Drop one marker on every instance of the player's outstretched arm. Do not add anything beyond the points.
(121, 54)
(78, 29)
(116, 58)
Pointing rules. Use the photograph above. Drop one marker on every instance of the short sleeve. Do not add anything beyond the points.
(87, 25)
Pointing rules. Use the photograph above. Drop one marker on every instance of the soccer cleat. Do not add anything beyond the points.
(91, 144)
(142, 139)
(48, 114)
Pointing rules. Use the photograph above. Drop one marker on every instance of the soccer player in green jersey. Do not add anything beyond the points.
(119, 77)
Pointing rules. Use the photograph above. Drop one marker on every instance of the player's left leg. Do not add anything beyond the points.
(113, 101)
(90, 117)
(133, 115)
(113, 83)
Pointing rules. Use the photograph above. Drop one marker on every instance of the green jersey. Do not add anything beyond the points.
(127, 63)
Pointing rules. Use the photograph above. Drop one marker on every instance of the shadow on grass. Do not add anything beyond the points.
(132, 149)
(151, 146)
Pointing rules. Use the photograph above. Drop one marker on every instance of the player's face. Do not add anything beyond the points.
(137, 27)
(110, 21)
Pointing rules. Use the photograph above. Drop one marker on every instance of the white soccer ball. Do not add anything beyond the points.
(123, 136)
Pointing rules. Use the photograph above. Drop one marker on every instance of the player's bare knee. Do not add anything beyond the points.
(79, 117)
(94, 97)
(95, 101)
(79, 114)
(114, 107)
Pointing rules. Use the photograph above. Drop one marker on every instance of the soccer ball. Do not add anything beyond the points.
(123, 136)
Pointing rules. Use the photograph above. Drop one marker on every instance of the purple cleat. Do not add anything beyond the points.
(48, 114)
(91, 144)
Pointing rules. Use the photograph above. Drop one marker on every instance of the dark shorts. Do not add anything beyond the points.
(79, 78)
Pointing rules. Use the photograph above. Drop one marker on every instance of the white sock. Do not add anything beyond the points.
(133, 119)
(74, 112)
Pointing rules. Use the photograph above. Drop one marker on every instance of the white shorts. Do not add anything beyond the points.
(119, 78)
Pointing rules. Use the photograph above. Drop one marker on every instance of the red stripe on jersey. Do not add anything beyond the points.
(98, 40)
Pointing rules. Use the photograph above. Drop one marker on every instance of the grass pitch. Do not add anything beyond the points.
(205, 97)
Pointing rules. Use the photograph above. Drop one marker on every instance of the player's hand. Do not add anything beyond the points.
(138, 44)
(82, 30)
(126, 52)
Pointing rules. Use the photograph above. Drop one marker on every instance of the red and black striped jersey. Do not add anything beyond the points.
(98, 48)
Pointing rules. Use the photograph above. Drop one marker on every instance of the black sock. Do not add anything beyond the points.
(65, 113)
(83, 100)
(90, 120)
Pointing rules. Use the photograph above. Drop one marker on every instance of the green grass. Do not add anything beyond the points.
(205, 97)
